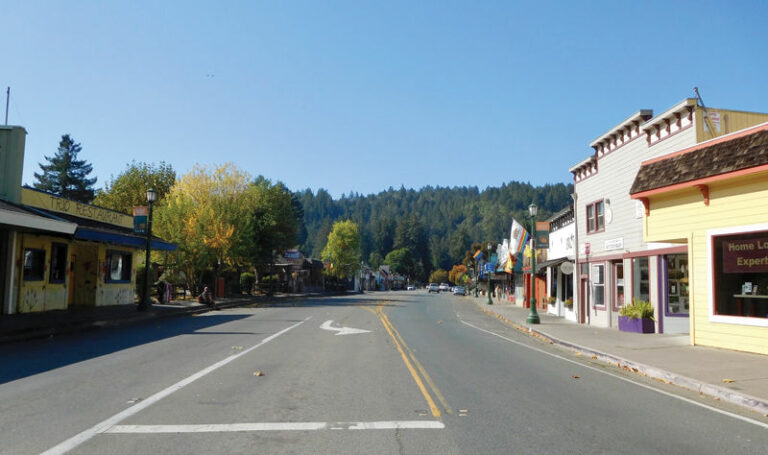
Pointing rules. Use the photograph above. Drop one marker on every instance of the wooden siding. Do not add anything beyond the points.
(730, 121)
(683, 215)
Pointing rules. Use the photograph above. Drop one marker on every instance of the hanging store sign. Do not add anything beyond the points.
(140, 215)
(566, 267)
(745, 255)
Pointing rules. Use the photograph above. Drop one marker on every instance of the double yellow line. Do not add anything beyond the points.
(410, 360)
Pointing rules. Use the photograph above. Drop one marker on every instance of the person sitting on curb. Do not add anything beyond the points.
(207, 298)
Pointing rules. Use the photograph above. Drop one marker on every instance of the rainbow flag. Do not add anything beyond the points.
(478, 254)
(526, 237)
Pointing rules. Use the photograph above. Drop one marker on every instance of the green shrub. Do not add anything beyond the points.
(638, 309)
(247, 280)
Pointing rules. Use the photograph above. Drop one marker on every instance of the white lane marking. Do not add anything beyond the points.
(672, 395)
(103, 426)
(341, 330)
(279, 426)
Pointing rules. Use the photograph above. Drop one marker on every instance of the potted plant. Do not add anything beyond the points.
(552, 299)
(637, 317)
(568, 303)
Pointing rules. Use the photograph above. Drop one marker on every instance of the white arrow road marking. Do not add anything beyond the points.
(341, 330)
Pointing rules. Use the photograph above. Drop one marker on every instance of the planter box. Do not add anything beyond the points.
(636, 325)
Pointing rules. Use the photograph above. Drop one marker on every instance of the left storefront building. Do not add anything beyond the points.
(56, 253)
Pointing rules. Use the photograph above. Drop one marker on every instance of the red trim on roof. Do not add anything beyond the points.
(699, 182)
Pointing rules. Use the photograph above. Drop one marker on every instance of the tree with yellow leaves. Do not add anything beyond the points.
(207, 213)
(343, 249)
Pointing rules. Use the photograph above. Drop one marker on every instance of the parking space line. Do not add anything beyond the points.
(278, 426)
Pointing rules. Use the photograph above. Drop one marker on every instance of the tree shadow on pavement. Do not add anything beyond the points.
(19, 360)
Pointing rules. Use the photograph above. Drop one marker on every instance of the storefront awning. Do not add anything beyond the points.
(551, 263)
(123, 239)
(20, 218)
(97, 231)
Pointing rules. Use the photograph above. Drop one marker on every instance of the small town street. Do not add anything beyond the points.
(421, 374)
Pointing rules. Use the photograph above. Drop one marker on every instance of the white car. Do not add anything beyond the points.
(445, 287)
(411, 288)
(433, 287)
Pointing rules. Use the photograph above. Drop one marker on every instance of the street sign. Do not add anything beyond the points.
(489, 267)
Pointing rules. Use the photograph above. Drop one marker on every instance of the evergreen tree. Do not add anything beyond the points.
(65, 175)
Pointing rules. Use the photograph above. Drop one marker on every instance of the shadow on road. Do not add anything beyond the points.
(19, 360)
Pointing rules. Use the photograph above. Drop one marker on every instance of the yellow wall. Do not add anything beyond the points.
(47, 201)
(682, 215)
(730, 121)
(89, 287)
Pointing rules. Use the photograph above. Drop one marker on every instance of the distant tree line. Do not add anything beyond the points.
(437, 226)
(221, 217)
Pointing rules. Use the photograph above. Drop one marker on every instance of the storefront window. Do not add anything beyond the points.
(34, 264)
(640, 286)
(677, 284)
(553, 282)
(119, 264)
(568, 287)
(741, 274)
(58, 262)
(598, 284)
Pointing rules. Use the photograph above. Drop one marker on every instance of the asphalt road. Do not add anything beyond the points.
(381, 373)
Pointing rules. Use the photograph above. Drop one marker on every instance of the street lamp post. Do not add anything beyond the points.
(488, 274)
(145, 302)
(533, 317)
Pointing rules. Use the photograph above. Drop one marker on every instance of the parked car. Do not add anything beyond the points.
(411, 287)
(445, 287)
(433, 287)
(459, 290)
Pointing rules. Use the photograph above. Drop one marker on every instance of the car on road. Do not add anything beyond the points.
(433, 287)
(445, 287)
(411, 288)
(459, 290)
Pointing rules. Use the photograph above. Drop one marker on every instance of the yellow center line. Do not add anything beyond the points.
(420, 367)
(432, 406)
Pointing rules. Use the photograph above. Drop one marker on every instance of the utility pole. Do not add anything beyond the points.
(7, 99)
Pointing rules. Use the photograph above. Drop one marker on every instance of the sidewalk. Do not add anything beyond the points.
(669, 358)
(18, 327)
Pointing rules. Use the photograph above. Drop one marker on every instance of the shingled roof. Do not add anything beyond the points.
(742, 150)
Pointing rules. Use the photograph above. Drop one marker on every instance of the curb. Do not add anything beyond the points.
(704, 388)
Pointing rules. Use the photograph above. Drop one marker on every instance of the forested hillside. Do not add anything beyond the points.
(438, 225)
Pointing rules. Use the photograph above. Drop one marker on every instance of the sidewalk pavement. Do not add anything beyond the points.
(18, 327)
(736, 377)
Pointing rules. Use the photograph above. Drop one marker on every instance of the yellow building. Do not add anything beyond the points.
(56, 253)
(713, 197)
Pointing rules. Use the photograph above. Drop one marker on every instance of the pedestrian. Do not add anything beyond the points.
(207, 298)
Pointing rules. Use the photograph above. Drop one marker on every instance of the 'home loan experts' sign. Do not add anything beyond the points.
(745, 256)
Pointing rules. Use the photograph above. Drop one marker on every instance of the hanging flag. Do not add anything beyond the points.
(478, 255)
(517, 237)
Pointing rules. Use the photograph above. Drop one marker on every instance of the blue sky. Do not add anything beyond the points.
(358, 96)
